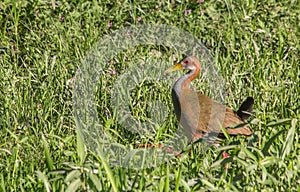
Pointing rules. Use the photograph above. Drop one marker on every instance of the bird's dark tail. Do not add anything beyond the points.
(245, 110)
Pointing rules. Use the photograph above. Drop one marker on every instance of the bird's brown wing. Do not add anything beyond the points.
(217, 114)
(232, 119)
(199, 115)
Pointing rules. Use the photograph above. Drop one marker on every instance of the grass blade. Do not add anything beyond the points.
(279, 122)
(288, 144)
(44, 178)
(107, 169)
(269, 143)
(49, 160)
(75, 174)
(167, 181)
(96, 182)
(210, 185)
(81, 148)
(74, 185)
(177, 181)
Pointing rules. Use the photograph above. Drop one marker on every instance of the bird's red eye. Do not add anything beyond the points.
(186, 61)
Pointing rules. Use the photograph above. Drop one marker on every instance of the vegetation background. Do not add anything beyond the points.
(254, 43)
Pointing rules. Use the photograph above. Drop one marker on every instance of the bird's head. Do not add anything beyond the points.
(190, 63)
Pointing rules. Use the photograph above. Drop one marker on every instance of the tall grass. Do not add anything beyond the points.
(255, 44)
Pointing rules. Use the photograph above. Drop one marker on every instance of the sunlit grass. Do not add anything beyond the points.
(255, 44)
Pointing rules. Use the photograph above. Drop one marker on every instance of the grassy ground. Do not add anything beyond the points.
(255, 44)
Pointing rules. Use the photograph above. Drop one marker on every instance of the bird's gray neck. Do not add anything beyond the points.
(178, 84)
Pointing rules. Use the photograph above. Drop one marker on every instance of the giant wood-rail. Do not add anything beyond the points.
(198, 114)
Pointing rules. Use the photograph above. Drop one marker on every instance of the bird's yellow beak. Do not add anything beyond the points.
(175, 67)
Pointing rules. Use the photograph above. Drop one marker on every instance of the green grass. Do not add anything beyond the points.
(255, 44)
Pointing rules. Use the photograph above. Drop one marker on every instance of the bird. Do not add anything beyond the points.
(198, 114)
